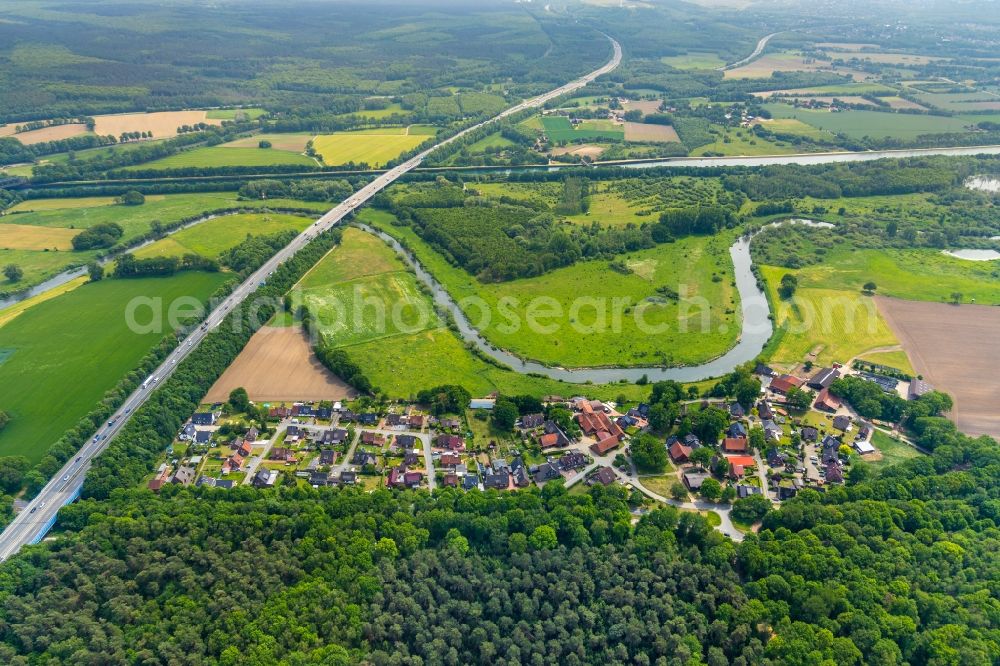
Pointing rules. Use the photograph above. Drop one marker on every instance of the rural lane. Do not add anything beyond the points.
(37, 518)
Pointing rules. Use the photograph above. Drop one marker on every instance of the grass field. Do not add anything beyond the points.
(223, 156)
(636, 329)
(294, 143)
(794, 126)
(374, 147)
(694, 60)
(742, 142)
(211, 238)
(402, 364)
(68, 351)
(893, 451)
(9, 313)
(231, 114)
(859, 124)
(609, 208)
(495, 140)
(824, 325)
(559, 128)
(64, 216)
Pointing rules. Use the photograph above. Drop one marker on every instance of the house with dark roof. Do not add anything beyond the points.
(327, 457)
(225, 483)
(736, 410)
(372, 438)
(499, 480)
(744, 491)
(887, 384)
(406, 441)
(772, 431)
(519, 473)
(204, 418)
(546, 472)
(450, 442)
(187, 432)
(470, 482)
(412, 479)
(450, 480)
(764, 410)
(202, 437)
(362, 458)
(831, 449)
(348, 478)
(604, 476)
(532, 421)
(763, 370)
(823, 378)
(842, 423)
(808, 434)
(572, 460)
(694, 478)
(334, 436)
(691, 440)
(411, 458)
(265, 478)
(736, 429)
(776, 458)
(368, 418)
(834, 472)
(319, 479)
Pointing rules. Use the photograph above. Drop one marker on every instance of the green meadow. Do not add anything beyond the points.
(65, 353)
(859, 124)
(223, 156)
(212, 237)
(622, 320)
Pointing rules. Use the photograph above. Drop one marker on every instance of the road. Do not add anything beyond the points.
(36, 519)
(761, 45)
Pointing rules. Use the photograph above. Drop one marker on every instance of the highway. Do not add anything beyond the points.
(37, 518)
(756, 52)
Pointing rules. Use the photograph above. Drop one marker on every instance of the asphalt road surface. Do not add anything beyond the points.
(37, 518)
(756, 52)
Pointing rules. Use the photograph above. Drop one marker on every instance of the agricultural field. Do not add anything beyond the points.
(278, 365)
(234, 114)
(893, 359)
(374, 147)
(293, 143)
(213, 237)
(591, 333)
(587, 150)
(559, 129)
(954, 348)
(57, 219)
(28, 237)
(163, 124)
(81, 340)
(769, 63)
(849, 89)
(493, 141)
(53, 133)
(859, 124)
(795, 127)
(609, 208)
(649, 132)
(224, 156)
(824, 325)
(405, 363)
(694, 60)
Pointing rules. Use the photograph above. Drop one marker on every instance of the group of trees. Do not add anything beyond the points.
(99, 236)
(304, 190)
(128, 266)
(870, 401)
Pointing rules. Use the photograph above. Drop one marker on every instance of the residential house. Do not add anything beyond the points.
(736, 410)
(324, 413)
(678, 452)
(763, 370)
(265, 478)
(470, 482)
(827, 402)
(734, 445)
(368, 418)
(552, 428)
(694, 478)
(842, 423)
(372, 438)
(205, 481)
(572, 460)
(411, 458)
(887, 384)
(416, 421)
(532, 421)
(604, 476)
(831, 449)
(406, 441)
(252, 435)
(625, 422)
(395, 421)
(605, 442)
(243, 447)
(228, 484)
(499, 480)
(362, 458)
(776, 458)
(348, 478)
(822, 379)
(834, 472)
(281, 454)
(319, 479)
(327, 457)
(233, 463)
(691, 440)
(772, 431)
(764, 410)
(449, 460)
(783, 384)
(450, 442)
(204, 418)
(187, 433)
(519, 473)
(546, 472)
(744, 491)
(395, 479)
(293, 433)
(736, 430)
(279, 412)
(809, 434)
(333, 437)
(202, 437)
(450, 480)
(162, 476)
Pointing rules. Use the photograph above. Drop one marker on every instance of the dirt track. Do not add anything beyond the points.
(278, 365)
(954, 348)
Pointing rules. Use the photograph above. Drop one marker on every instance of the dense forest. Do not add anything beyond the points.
(895, 568)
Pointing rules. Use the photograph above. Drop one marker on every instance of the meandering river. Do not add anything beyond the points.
(755, 332)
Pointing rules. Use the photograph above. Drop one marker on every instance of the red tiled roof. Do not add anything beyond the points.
(785, 382)
(548, 441)
(742, 461)
(605, 442)
(679, 452)
(734, 444)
